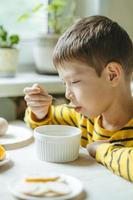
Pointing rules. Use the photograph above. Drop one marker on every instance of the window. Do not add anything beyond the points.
(10, 10)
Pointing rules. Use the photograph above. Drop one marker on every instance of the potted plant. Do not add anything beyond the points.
(58, 21)
(8, 53)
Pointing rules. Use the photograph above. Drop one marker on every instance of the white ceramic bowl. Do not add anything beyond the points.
(57, 143)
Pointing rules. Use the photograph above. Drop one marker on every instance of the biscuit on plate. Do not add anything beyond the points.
(47, 187)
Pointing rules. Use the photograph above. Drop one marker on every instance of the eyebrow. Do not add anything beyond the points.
(71, 75)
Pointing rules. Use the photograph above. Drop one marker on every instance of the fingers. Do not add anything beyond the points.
(33, 104)
(35, 89)
(38, 100)
(37, 97)
(36, 93)
(37, 86)
(30, 90)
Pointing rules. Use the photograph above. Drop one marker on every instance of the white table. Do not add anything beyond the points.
(99, 183)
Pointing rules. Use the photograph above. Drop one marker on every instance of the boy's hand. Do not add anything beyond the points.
(38, 100)
(91, 148)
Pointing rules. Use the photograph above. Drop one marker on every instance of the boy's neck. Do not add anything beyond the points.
(118, 114)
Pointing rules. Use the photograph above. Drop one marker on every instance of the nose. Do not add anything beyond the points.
(68, 94)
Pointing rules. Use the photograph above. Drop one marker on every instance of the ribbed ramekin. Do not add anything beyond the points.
(57, 143)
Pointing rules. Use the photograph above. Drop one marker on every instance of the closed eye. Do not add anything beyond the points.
(75, 81)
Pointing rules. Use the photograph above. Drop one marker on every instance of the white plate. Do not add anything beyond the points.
(16, 137)
(5, 161)
(75, 185)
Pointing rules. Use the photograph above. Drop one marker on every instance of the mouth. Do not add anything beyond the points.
(73, 106)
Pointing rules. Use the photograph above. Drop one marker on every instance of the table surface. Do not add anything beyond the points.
(99, 183)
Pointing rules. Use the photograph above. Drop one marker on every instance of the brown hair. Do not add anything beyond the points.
(96, 41)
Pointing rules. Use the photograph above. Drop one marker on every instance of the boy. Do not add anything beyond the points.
(94, 58)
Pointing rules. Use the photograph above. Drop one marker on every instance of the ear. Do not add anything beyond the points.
(113, 71)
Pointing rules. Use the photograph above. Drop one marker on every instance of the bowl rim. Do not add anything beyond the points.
(55, 136)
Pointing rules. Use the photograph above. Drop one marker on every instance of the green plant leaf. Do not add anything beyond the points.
(24, 17)
(5, 40)
(3, 36)
(3, 33)
(55, 27)
(56, 5)
(37, 7)
(14, 39)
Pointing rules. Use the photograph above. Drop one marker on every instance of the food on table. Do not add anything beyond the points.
(42, 180)
(2, 153)
(44, 186)
(3, 126)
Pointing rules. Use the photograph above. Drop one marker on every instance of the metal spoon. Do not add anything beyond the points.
(70, 106)
(67, 105)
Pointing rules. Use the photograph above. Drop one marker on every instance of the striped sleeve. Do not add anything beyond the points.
(116, 158)
(56, 115)
(63, 115)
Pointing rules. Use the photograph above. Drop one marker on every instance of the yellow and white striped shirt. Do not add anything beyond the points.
(117, 155)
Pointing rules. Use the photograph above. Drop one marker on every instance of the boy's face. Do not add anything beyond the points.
(91, 94)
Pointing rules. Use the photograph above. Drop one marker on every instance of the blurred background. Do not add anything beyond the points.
(36, 24)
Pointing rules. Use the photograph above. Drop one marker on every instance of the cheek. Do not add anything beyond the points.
(82, 96)
(92, 93)
(93, 96)
(84, 93)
